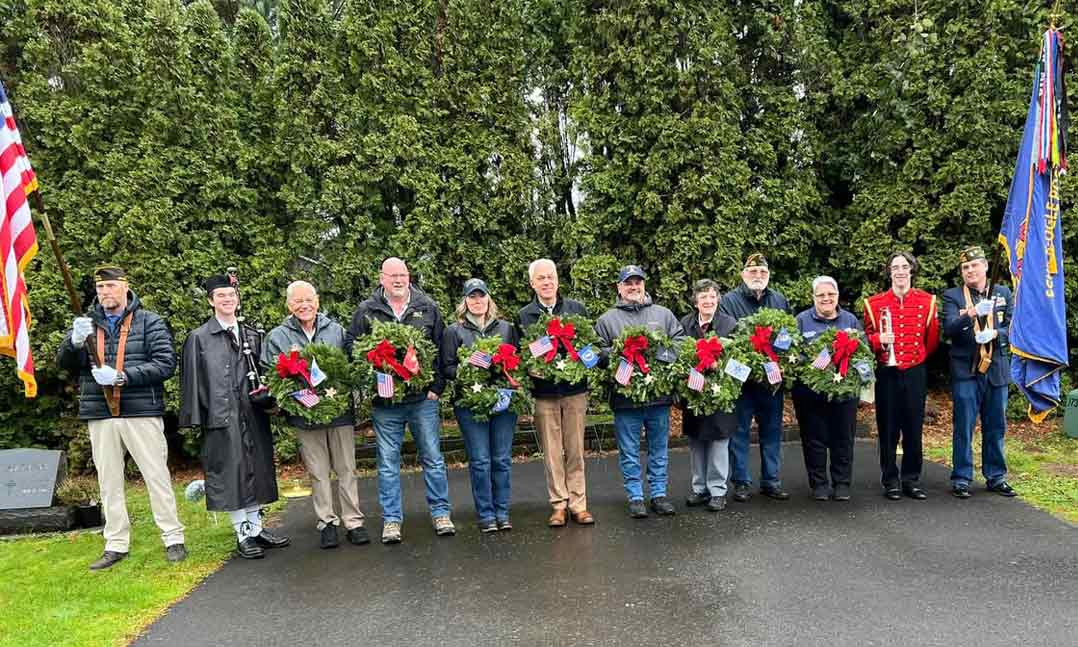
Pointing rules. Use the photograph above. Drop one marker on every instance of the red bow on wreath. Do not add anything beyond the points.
(634, 352)
(565, 335)
(761, 342)
(385, 354)
(844, 347)
(506, 357)
(707, 352)
(292, 365)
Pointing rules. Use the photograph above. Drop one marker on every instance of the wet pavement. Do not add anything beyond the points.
(982, 572)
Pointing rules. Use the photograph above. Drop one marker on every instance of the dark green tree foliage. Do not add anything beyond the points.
(313, 138)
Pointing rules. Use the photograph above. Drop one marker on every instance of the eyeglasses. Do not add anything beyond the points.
(826, 295)
(306, 301)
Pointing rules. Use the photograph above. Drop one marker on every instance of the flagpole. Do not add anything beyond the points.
(72, 294)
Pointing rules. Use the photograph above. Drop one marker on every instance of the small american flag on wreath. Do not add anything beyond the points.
(541, 346)
(624, 372)
(385, 385)
(479, 359)
(696, 380)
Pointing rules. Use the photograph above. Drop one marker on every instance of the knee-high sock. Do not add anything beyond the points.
(244, 528)
(254, 517)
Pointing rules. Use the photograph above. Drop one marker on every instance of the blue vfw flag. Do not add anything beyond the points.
(1032, 236)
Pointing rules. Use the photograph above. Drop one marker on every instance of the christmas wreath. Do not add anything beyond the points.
(311, 382)
(768, 337)
(559, 348)
(491, 379)
(393, 361)
(701, 382)
(838, 364)
(641, 364)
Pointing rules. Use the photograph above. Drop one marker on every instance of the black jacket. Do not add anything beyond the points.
(721, 324)
(965, 351)
(465, 334)
(741, 303)
(149, 360)
(422, 312)
(528, 316)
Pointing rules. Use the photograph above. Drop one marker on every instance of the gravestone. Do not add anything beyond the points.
(28, 479)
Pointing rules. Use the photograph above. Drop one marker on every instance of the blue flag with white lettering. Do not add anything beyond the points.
(1032, 236)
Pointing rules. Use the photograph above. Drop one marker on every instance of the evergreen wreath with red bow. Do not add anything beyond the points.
(478, 389)
(401, 351)
(568, 334)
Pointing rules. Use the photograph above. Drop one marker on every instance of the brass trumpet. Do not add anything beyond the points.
(887, 327)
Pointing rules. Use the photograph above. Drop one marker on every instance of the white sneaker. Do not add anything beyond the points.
(443, 526)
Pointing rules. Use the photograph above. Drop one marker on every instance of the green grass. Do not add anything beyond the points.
(1044, 471)
(48, 597)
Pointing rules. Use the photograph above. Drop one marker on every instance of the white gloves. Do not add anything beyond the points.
(107, 376)
(984, 307)
(986, 336)
(81, 328)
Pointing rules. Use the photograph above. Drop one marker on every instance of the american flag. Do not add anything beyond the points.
(385, 385)
(480, 359)
(774, 373)
(307, 397)
(624, 372)
(18, 246)
(822, 360)
(541, 346)
(696, 380)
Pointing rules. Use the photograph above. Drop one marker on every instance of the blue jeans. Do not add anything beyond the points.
(423, 419)
(489, 444)
(627, 426)
(758, 400)
(973, 397)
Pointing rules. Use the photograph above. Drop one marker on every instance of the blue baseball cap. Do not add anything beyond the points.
(475, 285)
(630, 271)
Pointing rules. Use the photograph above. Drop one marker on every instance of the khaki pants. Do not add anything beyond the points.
(560, 422)
(144, 438)
(325, 448)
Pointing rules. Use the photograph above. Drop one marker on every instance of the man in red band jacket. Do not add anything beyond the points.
(910, 336)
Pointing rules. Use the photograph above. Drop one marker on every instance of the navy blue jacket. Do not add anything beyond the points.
(741, 303)
(958, 328)
(149, 360)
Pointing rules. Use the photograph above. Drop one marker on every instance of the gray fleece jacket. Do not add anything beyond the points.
(611, 324)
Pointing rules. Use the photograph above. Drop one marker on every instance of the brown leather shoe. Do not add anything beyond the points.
(583, 518)
(557, 518)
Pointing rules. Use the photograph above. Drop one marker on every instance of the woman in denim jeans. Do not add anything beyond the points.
(489, 443)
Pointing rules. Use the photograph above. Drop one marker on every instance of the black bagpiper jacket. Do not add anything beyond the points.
(532, 313)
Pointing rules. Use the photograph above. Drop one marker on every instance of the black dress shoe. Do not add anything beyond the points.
(249, 549)
(841, 493)
(108, 558)
(358, 536)
(742, 493)
(717, 503)
(1002, 488)
(661, 506)
(914, 492)
(267, 539)
(960, 491)
(893, 493)
(776, 493)
(328, 538)
(697, 498)
(637, 509)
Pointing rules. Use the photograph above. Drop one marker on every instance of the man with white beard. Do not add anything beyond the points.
(756, 400)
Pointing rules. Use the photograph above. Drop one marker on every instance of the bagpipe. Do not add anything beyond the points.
(259, 393)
